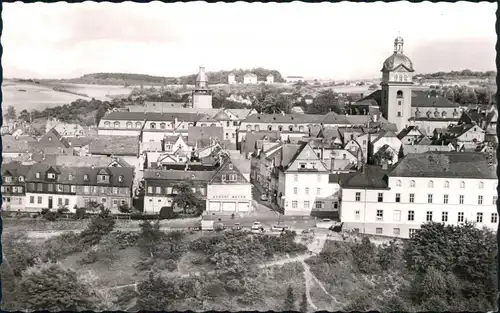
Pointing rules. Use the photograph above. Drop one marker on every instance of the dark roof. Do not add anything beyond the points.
(285, 118)
(78, 142)
(19, 144)
(178, 175)
(371, 177)
(445, 165)
(16, 169)
(153, 116)
(403, 133)
(76, 175)
(205, 135)
(115, 145)
(248, 144)
(421, 98)
(458, 130)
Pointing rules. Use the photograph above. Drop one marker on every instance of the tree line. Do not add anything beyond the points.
(459, 75)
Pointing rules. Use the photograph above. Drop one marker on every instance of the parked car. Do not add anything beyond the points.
(308, 231)
(325, 223)
(279, 228)
(263, 197)
(237, 226)
(257, 226)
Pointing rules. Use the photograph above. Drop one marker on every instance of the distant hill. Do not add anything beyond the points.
(454, 75)
(130, 79)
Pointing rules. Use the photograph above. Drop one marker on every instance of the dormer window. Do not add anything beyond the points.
(120, 178)
(129, 124)
(280, 128)
(8, 179)
(290, 128)
(103, 177)
(138, 125)
(117, 124)
(107, 124)
(269, 127)
(51, 175)
(230, 166)
(163, 125)
(37, 175)
(70, 177)
(50, 138)
(85, 177)
(21, 178)
(152, 125)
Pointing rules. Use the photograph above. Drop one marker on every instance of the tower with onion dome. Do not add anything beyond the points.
(397, 83)
(202, 96)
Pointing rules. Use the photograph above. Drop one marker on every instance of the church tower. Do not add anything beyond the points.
(397, 82)
(202, 96)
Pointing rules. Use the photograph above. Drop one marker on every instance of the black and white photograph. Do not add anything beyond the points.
(289, 157)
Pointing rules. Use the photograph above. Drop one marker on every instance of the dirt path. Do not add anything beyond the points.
(307, 269)
(308, 281)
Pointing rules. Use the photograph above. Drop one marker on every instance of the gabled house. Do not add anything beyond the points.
(109, 186)
(229, 191)
(176, 145)
(411, 134)
(302, 180)
(14, 186)
(52, 143)
(389, 143)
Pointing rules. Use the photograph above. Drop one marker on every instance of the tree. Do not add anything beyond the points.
(186, 199)
(11, 113)
(100, 225)
(303, 303)
(53, 288)
(290, 300)
(24, 116)
(465, 251)
(152, 294)
(364, 255)
(124, 208)
(149, 237)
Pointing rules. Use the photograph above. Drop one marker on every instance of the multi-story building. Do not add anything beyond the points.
(302, 181)
(109, 186)
(445, 187)
(122, 124)
(14, 186)
(50, 187)
(229, 191)
(160, 185)
(270, 79)
(250, 78)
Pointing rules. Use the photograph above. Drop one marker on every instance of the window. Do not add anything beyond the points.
(462, 184)
(319, 204)
(357, 214)
(429, 198)
(150, 189)
(399, 114)
(116, 124)
(398, 183)
(399, 94)
(460, 217)
(158, 190)
(319, 178)
(358, 196)
(378, 230)
(86, 189)
(295, 190)
(461, 199)
(290, 128)
(428, 216)
(412, 198)
(152, 125)
(446, 184)
(398, 197)
(479, 199)
(318, 191)
(306, 204)
(430, 184)
(495, 199)
(444, 217)
(412, 231)
(445, 199)
(163, 125)
(73, 188)
(269, 127)
(32, 199)
(50, 188)
(295, 177)
(120, 178)
(479, 217)
(412, 183)
(66, 201)
(380, 215)
(59, 201)
(307, 190)
(396, 231)
(138, 125)
(481, 185)
(397, 215)
(37, 175)
(380, 197)
(39, 187)
(39, 200)
(60, 188)
(494, 218)
(411, 215)
(85, 177)
(294, 204)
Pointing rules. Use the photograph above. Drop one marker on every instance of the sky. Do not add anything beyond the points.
(321, 40)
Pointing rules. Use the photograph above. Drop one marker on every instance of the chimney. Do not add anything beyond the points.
(384, 165)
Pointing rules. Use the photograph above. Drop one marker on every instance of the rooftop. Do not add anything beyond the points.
(115, 145)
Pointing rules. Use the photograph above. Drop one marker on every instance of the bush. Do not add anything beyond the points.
(50, 216)
(19, 253)
(365, 256)
(106, 251)
(60, 246)
(80, 213)
(126, 239)
(167, 213)
(99, 226)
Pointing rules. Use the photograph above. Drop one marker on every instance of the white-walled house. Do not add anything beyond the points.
(250, 78)
(447, 187)
(229, 191)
